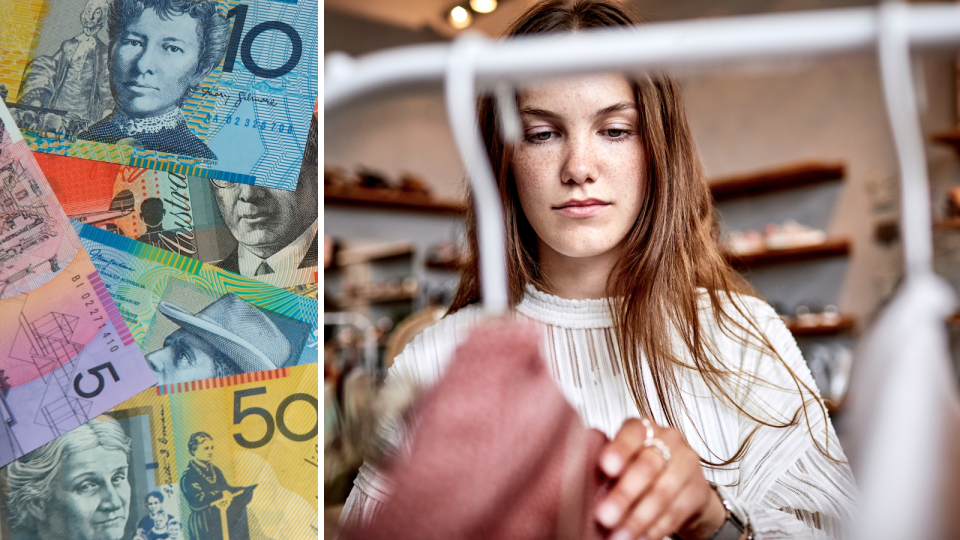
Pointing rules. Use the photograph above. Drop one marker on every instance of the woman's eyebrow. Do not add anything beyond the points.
(622, 106)
(539, 112)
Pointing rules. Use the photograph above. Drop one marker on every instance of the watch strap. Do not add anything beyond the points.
(735, 525)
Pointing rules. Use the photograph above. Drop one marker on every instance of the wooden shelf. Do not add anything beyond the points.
(388, 199)
(951, 137)
(949, 223)
(799, 174)
(834, 247)
(445, 265)
(378, 299)
(373, 252)
(844, 323)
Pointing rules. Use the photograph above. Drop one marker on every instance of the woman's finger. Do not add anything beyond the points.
(624, 446)
(688, 501)
(654, 503)
(635, 480)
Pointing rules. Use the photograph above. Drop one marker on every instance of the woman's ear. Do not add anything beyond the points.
(37, 510)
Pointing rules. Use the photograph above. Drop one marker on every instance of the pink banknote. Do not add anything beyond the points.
(66, 354)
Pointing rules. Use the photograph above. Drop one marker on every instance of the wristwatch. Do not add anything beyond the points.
(736, 523)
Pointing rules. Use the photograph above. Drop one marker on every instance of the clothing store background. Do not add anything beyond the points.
(826, 112)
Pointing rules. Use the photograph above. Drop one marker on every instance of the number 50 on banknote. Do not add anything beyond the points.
(220, 89)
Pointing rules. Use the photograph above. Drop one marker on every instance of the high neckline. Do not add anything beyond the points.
(562, 312)
(152, 124)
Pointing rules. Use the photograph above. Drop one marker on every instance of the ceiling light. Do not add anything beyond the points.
(460, 18)
(483, 6)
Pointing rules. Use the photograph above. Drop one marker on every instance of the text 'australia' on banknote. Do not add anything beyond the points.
(220, 89)
(268, 234)
(221, 459)
(65, 353)
(195, 321)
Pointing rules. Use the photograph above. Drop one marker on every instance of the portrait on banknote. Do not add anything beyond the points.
(160, 50)
(76, 487)
(158, 524)
(276, 231)
(66, 87)
(268, 234)
(216, 507)
(133, 86)
(198, 337)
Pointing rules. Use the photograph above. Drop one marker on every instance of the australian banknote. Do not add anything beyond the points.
(218, 459)
(196, 321)
(65, 353)
(265, 233)
(219, 89)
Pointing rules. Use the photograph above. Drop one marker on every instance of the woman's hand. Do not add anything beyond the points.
(654, 497)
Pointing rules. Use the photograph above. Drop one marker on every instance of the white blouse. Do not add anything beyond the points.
(785, 485)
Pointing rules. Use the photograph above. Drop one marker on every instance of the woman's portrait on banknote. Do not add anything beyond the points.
(74, 488)
(215, 505)
(159, 51)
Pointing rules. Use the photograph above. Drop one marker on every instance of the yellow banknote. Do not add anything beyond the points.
(233, 458)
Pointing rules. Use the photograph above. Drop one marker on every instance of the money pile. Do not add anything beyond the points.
(158, 270)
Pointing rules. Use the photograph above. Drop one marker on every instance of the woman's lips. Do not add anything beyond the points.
(582, 209)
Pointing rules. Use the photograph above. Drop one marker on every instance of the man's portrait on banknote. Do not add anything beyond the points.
(276, 230)
(159, 51)
(67, 90)
(213, 502)
(75, 487)
(227, 337)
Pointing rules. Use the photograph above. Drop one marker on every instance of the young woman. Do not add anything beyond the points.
(612, 250)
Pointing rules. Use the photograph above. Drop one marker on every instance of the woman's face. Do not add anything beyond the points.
(204, 451)
(91, 498)
(154, 63)
(579, 167)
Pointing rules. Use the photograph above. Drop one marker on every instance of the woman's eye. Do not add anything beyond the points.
(540, 136)
(133, 42)
(86, 488)
(174, 48)
(616, 133)
(119, 478)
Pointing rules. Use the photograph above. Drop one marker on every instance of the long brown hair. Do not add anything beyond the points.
(671, 257)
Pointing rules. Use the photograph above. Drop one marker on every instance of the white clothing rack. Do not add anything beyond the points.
(471, 64)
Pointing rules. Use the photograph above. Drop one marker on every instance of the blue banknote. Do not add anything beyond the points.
(219, 89)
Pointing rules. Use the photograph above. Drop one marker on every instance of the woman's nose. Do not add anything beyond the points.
(111, 499)
(149, 56)
(579, 163)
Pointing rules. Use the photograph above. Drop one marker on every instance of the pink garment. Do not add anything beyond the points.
(498, 452)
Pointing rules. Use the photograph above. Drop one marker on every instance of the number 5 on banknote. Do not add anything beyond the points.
(217, 89)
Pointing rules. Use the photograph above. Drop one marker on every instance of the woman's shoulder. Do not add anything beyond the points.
(423, 360)
(743, 309)
(747, 317)
(105, 131)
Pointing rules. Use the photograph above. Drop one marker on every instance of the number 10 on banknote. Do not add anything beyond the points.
(220, 89)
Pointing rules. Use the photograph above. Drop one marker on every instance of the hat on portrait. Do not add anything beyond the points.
(222, 323)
